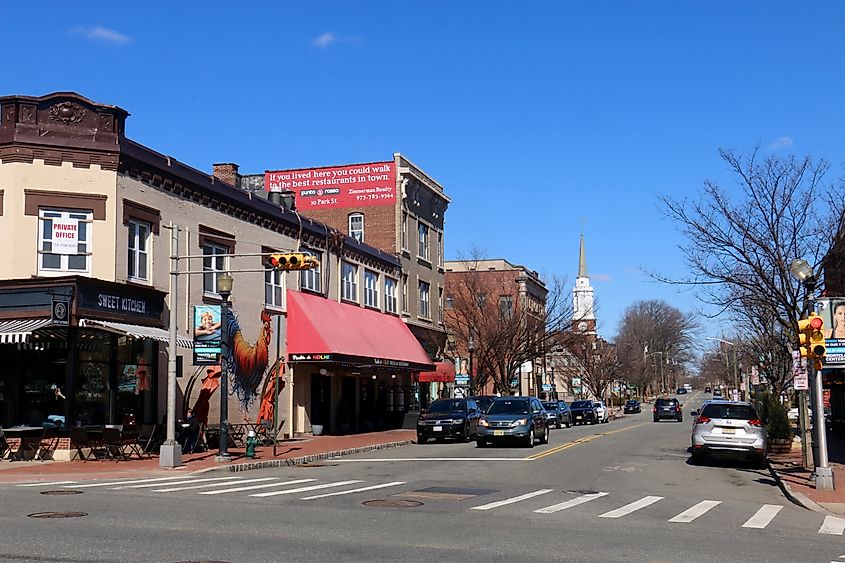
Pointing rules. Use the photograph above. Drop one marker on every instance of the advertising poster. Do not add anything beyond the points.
(355, 185)
(207, 335)
(832, 312)
(128, 380)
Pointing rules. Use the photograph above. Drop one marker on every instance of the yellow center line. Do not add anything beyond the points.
(583, 440)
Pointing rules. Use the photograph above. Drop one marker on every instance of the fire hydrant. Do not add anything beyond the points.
(251, 442)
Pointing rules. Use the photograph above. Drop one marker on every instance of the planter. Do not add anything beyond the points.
(780, 445)
(317, 429)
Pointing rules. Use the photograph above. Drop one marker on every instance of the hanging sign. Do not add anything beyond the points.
(800, 380)
(208, 338)
(65, 236)
(60, 311)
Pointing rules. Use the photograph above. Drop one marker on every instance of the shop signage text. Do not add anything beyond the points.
(122, 304)
(356, 185)
(310, 357)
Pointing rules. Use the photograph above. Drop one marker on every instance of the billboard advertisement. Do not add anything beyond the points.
(208, 336)
(353, 185)
(832, 312)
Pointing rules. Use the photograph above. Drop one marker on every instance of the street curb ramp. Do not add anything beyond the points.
(799, 499)
(314, 457)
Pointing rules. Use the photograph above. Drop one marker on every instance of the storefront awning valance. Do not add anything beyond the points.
(444, 373)
(323, 330)
(137, 331)
(18, 330)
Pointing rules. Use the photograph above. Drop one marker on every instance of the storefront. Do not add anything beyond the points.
(352, 368)
(76, 350)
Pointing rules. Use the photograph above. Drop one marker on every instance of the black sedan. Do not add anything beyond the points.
(583, 412)
(449, 418)
(632, 406)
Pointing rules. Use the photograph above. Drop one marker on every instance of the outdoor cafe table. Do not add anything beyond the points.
(21, 432)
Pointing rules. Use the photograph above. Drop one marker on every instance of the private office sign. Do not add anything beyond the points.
(65, 236)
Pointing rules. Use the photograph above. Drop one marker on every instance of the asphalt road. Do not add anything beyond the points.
(622, 491)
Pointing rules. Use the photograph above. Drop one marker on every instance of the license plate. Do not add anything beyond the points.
(728, 431)
(498, 432)
(438, 428)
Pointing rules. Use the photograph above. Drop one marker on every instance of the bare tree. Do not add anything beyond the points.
(601, 365)
(740, 248)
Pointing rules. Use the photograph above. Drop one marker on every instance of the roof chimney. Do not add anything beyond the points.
(227, 172)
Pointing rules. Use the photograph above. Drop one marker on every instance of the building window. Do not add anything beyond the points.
(404, 230)
(422, 250)
(425, 303)
(138, 256)
(356, 226)
(389, 295)
(450, 303)
(480, 300)
(404, 293)
(440, 249)
(213, 264)
(310, 279)
(370, 288)
(505, 306)
(274, 288)
(63, 255)
(349, 281)
(439, 304)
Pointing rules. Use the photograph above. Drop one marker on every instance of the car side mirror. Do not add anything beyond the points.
(693, 413)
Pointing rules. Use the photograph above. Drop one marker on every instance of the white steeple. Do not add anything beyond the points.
(583, 317)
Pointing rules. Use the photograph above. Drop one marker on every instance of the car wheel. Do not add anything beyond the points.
(530, 439)
(545, 438)
(480, 443)
(656, 419)
(421, 439)
(568, 423)
(761, 463)
(698, 457)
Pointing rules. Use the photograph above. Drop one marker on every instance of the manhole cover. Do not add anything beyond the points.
(61, 492)
(56, 514)
(581, 492)
(384, 503)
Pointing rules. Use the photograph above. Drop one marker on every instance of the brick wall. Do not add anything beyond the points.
(227, 171)
(379, 223)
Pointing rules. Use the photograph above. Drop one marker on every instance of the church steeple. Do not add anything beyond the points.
(582, 260)
(583, 311)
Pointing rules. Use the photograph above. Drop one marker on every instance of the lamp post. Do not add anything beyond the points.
(471, 348)
(824, 474)
(662, 384)
(733, 375)
(224, 288)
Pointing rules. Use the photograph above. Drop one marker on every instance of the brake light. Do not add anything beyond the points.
(755, 422)
(702, 420)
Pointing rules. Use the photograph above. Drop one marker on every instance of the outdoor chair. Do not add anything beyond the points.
(47, 444)
(80, 439)
(264, 433)
(4, 446)
(129, 441)
(113, 444)
(148, 438)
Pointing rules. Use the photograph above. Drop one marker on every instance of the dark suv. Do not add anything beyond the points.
(667, 408)
(448, 418)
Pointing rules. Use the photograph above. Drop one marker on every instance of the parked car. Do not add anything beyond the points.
(508, 418)
(449, 418)
(708, 390)
(559, 413)
(583, 412)
(681, 391)
(602, 411)
(717, 393)
(728, 428)
(483, 402)
(667, 407)
(632, 406)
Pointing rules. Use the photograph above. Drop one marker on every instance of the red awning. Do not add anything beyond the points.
(444, 372)
(323, 330)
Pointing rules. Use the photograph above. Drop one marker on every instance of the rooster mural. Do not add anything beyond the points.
(246, 363)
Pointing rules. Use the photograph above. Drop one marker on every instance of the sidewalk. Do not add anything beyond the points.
(289, 452)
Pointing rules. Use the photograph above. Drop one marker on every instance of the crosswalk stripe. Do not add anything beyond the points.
(359, 490)
(832, 525)
(112, 483)
(570, 503)
(694, 512)
(253, 487)
(183, 482)
(46, 484)
(206, 485)
(632, 507)
(512, 500)
(763, 517)
(304, 489)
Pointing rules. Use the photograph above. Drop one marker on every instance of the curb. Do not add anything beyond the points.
(314, 457)
(799, 499)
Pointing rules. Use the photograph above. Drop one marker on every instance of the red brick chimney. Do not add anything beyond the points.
(227, 172)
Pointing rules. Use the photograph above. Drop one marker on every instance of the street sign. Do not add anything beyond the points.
(547, 386)
(461, 379)
(460, 392)
(800, 379)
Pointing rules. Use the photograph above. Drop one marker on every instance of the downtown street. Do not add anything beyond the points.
(623, 491)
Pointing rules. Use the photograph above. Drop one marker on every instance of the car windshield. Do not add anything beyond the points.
(508, 406)
(632, 402)
(582, 405)
(735, 412)
(447, 405)
(551, 406)
(483, 403)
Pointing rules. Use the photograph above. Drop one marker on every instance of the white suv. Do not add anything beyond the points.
(601, 411)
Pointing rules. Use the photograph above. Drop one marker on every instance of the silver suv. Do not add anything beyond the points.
(731, 428)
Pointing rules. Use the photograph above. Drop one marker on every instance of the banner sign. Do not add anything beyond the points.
(800, 380)
(208, 337)
(64, 236)
(60, 311)
(832, 312)
(355, 185)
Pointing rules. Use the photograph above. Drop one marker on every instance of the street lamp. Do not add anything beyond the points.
(224, 288)
(734, 376)
(471, 348)
(824, 474)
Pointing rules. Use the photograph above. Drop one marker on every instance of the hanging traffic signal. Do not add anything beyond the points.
(811, 338)
(292, 261)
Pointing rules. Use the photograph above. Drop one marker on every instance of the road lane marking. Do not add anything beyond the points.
(632, 507)
(207, 485)
(694, 512)
(305, 489)
(253, 487)
(46, 484)
(112, 483)
(183, 482)
(358, 490)
(512, 500)
(570, 503)
(763, 516)
(377, 460)
(832, 525)
(583, 440)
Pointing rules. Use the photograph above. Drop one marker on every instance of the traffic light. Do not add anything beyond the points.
(811, 338)
(292, 261)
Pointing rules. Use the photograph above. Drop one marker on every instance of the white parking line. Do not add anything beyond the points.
(570, 503)
(763, 516)
(183, 482)
(112, 483)
(46, 484)
(832, 525)
(512, 500)
(359, 490)
(485, 459)
(304, 489)
(629, 508)
(694, 512)
(206, 485)
(253, 487)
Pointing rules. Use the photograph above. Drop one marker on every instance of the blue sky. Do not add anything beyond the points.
(533, 116)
